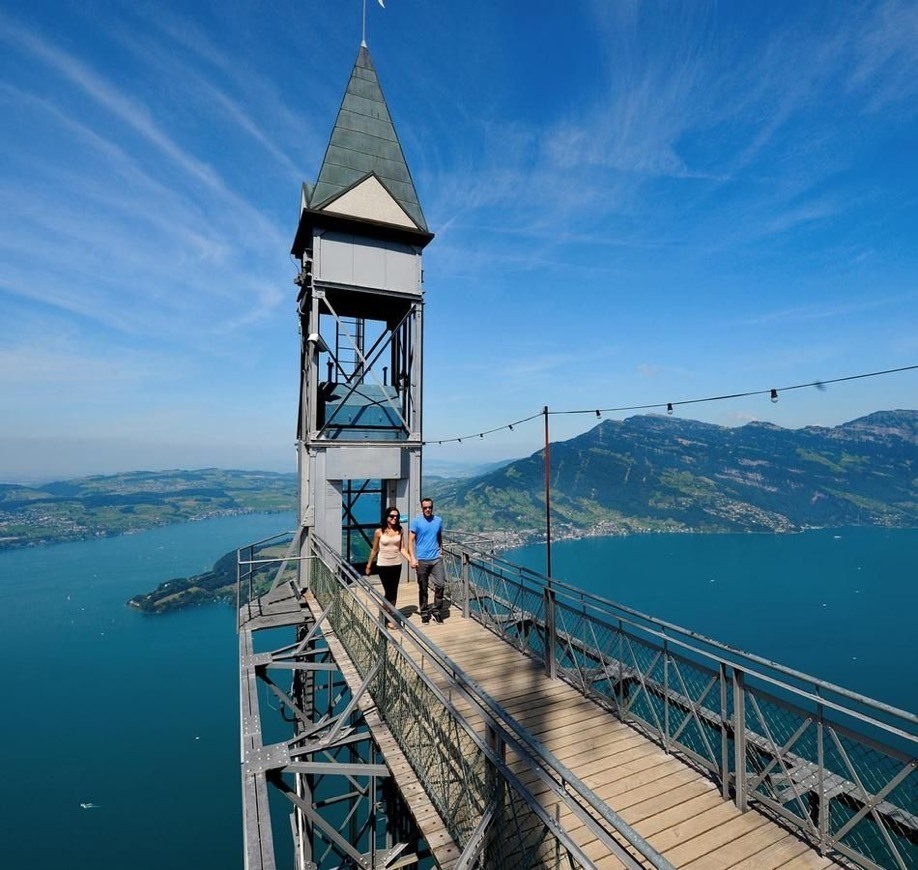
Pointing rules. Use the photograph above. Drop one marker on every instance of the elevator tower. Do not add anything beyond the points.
(359, 243)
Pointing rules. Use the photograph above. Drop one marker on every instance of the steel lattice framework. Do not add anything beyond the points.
(493, 818)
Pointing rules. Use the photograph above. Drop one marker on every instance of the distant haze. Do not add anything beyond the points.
(43, 459)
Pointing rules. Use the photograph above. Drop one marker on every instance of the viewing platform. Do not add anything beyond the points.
(674, 807)
(539, 726)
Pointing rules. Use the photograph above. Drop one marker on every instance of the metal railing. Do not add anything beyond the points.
(838, 767)
(489, 809)
(260, 566)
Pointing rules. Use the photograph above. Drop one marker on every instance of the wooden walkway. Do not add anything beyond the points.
(676, 809)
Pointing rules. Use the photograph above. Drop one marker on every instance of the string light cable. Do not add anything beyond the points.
(771, 392)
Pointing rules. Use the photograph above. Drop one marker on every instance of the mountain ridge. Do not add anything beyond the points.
(658, 472)
(647, 472)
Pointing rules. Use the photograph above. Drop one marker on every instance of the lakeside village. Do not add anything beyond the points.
(33, 527)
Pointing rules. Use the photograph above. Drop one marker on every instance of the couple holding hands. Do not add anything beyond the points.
(422, 550)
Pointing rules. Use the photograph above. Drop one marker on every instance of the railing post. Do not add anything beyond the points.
(495, 783)
(666, 695)
(465, 585)
(724, 735)
(549, 599)
(238, 589)
(823, 806)
(621, 671)
(739, 738)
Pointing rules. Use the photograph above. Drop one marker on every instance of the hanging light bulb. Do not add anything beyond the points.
(481, 434)
(510, 427)
(774, 395)
(669, 408)
(598, 415)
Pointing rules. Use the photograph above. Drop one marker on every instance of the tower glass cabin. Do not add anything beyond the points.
(359, 244)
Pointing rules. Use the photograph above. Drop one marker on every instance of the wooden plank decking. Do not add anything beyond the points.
(676, 809)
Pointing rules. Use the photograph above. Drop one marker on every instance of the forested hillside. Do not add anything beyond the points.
(70, 510)
(659, 472)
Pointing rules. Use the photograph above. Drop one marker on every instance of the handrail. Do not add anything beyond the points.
(839, 766)
(501, 723)
(662, 625)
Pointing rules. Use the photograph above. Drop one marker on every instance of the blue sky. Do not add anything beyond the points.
(634, 202)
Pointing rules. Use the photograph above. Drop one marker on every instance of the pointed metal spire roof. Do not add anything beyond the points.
(364, 143)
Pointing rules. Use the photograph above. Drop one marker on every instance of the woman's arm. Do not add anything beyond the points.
(411, 558)
(374, 551)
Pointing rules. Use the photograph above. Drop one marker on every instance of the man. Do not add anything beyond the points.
(425, 537)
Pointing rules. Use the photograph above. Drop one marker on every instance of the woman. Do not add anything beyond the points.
(389, 547)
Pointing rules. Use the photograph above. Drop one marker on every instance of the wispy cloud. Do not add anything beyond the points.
(133, 114)
(666, 111)
(824, 311)
(129, 111)
(177, 245)
(886, 53)
(180, 67)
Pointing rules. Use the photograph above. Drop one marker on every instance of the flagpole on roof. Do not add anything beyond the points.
(363, 38)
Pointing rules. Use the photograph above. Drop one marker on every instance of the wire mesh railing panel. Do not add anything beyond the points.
(839, 767)
(442, 753)
(779, 741)
(501, 602)
(693, 716)
(524, 841)
(577, 660)
(866, 791)
(843, 788)
(464, 779)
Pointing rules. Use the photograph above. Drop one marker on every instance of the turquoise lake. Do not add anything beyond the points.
(139, 714)
(839, 605)
(101, 704)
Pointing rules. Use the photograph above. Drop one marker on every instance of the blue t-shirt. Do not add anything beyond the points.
(427, 537)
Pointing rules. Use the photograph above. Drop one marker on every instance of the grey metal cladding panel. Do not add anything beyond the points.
(334, 180)
(349, 140)
(362, 106)
(370, 126)
(403, 193)
(337, 175)
(390, 152)
(365, 88)
(363, 163)
(364, 78)
(362, 71)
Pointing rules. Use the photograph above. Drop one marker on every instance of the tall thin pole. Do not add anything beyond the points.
(363, 35)
(547, 498)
